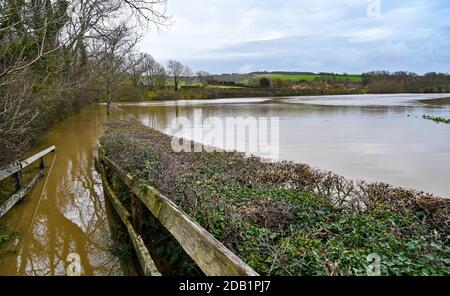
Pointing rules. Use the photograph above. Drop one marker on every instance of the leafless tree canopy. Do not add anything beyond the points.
(114, 56)
(188, 76)
(203, 77)
(154, 73)
(51, 52)
(175, 70)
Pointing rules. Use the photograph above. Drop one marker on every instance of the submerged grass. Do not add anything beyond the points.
(437, 119)
(6, 235)
(289, 219)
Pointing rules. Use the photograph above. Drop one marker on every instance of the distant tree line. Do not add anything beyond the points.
(146, 72)
(400, 82)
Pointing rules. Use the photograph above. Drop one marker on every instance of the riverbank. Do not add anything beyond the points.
(290, 219)
(210, 93)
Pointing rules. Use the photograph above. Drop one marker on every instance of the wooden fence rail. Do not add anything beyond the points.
(15, 170)
(147, 264)
(211, 256)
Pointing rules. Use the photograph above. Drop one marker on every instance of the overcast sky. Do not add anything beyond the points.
(339, 36)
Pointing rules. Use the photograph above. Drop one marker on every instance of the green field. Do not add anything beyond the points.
(308, 77)
(225, 86)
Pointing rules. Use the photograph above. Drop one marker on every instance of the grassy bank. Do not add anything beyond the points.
(240, 92)
(290, 219)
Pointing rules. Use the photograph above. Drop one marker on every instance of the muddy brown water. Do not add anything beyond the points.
(65, 213)
(362, 137)
(375, 138)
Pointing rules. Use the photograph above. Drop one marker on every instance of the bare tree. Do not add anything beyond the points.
(137, 67)
(203, 77)
(155, 74)
(28, 22)
(161, 77)
(148, 11)
(188, 76)
(45, 55)
(113, 51)
(150, 66)
(175, 70)
(53, 25)
(17, 112)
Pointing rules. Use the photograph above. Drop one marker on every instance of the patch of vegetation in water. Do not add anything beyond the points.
(6, 236)
(437, 119)
(290, 219)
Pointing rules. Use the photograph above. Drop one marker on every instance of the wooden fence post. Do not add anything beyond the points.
(18, 176)
(42, 164)
(137, 208)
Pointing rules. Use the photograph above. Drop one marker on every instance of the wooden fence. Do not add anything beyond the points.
(211, 256)
(15, 170)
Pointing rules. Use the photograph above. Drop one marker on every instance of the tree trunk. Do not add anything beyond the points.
(109, 97)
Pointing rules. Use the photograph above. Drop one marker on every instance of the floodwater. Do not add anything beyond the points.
(374, 138)
(66, 212)
(362, 137)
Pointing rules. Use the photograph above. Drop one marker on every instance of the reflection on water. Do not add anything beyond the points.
(361, 137)
(66, 212)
